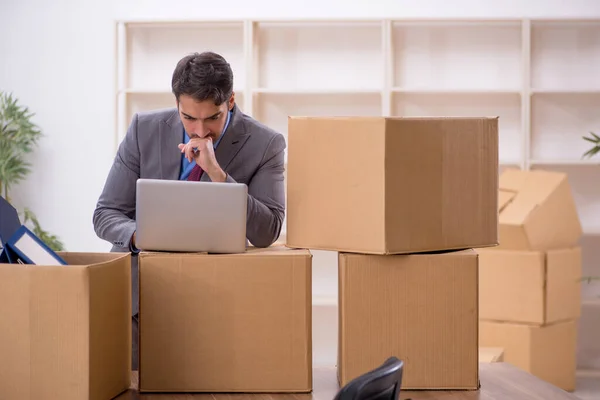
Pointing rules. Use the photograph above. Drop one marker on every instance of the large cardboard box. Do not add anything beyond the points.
(530, 287)
(65, 331)
(537, 211)
(392, 185)
(226, 323)
(421, 308)
(548, 352)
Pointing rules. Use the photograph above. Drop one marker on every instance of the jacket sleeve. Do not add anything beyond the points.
(113, 218)
(266, 196)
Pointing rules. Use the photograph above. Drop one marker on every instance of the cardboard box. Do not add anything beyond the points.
(421, 308)
(491, 354)
(530, 287)
(548, 352)
(226, 323)
(392, 185)
(65, 331)
(537, 211)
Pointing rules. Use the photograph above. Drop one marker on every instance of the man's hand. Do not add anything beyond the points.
(204, 156)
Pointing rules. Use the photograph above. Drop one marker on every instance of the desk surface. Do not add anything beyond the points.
(499, 381)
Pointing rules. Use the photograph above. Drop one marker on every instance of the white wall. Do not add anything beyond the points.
(58, 58)
(188, 9)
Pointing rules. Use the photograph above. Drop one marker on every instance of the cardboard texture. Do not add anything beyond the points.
(421, 308)
(491, 354)
(530, 287)
(65, 331)
(548, 352)
(537, 211)
(226, 323)
(392, 185)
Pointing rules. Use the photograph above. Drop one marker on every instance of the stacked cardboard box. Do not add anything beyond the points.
(226, 322)
(65, 331)
(530, 296)
(404, 201)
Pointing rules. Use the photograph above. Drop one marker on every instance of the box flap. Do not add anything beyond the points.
(540, 215)
(87, 259)
(512, 179)
(530, 188)
(504, 198)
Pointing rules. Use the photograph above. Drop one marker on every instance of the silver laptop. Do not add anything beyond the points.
(183, 216)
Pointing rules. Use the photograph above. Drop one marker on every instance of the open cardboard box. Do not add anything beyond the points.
(65, 331)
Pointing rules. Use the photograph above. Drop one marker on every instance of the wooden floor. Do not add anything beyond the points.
(499, 381)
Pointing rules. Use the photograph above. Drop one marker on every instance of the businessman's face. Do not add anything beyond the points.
(203, 119)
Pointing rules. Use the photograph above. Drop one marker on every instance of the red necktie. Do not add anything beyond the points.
(195, 174)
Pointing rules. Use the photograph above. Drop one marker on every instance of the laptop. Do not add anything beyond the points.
(186, 216)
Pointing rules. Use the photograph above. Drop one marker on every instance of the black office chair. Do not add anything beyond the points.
(382, 383)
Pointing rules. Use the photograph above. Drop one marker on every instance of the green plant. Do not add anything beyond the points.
(595, 140)
(18, 137)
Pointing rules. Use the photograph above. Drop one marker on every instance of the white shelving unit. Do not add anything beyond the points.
(541, 77)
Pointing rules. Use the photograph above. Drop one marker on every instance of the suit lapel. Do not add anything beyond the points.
(171, 134)
(234, 139)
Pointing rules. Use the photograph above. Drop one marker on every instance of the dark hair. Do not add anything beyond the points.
(203, 76)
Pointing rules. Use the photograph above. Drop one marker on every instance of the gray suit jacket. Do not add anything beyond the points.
(249, 153)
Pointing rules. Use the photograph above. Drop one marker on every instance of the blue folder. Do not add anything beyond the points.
(29, 249)
(7, 256)
(9, 221)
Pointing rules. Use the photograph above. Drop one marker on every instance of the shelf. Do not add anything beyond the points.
(274, 109)
(457, 56)
(308, 91)
(565, 91)
(510, 162)
(324, 55)
(153, 51)
(590, 302)
(159, 91)
(324, 301)
(506, 106)
(573, 162)
(565, 55)
(146, 101)
(558, 122)
(586, 192)
(416, 90)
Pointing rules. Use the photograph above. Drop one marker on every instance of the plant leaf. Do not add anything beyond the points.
(595, 139)
(591, 152)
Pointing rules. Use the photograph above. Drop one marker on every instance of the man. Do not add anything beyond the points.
(206, 137)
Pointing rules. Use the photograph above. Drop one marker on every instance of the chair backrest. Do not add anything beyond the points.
(382, 383)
